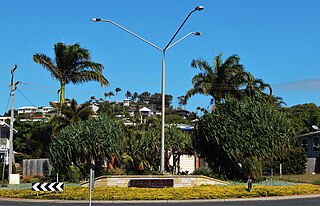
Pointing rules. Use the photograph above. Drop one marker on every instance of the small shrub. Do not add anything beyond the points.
(5, 183)
(118, 171)
(316, 182)
(206, 171)
(252, 168)
(26, 180)
(132, 172)
(73, 174)
(152, 172)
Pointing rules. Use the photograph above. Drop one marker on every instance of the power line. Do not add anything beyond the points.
(7, 104)
(25, 97)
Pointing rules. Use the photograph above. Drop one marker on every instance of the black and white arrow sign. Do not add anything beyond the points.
(57, 186)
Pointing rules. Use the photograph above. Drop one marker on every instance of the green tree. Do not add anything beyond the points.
(72, 64)
(108, 94)
(134, 96)
(252, 85)
(140, 144)
(70, 112)
(117, 90)
(217, 80)
(79, 143)
(128, 94)
(182, 101)
(303, 116)
(175, 119)
(237, 130)
(177, 143)
(32, 138)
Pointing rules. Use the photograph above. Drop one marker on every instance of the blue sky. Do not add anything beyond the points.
(277, 41)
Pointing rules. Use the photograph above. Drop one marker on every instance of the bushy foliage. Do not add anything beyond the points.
(251, 167)
(175, 119)
(142, 150)
(32, 139)
(206, 171)
(236, 130)
(177, 143)
(73, 174)
(294, 162)
(303, 116)
(80, 143)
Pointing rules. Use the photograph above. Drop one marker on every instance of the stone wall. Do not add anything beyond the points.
(179, 181)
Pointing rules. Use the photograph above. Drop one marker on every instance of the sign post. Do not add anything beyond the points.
(91, 185)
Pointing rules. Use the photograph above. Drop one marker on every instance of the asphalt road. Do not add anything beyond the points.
(309, 201)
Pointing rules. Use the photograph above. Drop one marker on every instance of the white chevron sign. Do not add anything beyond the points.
(56, 186)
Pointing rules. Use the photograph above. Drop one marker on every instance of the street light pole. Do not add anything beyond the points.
(12, 89)
(169, 45)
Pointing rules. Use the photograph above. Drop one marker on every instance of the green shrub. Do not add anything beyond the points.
(117, 171)
(73, 174)
(294, 162)
(252, 168)
(316, 182)
(206, 171)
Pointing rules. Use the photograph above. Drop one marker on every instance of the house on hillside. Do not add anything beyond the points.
(310, 142)
(144, 111)
(35, 114)
(126, 102)
(4, 141)
(181, 112)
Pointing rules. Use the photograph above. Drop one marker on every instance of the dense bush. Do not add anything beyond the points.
(294, 162)
(73, 174)
(252, 167)
(237, 130)
(80, 143)
(206, 171)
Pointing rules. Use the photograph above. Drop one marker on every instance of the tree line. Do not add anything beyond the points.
(246, 129)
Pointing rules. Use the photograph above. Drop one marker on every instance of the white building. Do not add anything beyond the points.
(144, 111)
(4, 140)
(126, 102)
(31, 110)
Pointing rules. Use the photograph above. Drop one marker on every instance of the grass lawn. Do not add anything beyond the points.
(304, 178)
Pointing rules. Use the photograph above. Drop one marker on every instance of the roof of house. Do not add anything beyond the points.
(145, 109)
(309, 134)
(185, 127)
(28, 107)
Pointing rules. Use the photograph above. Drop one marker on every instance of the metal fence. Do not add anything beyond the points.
(36, 167)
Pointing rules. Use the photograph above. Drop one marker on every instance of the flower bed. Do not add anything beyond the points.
(185, 193)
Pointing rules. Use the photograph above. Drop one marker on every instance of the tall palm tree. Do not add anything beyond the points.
(70, 112)
(117, 90)
(134, 96)
(253, 85)
(182, 101)
(128, 94)
(217, 80)
(72, 64)
(108, 94)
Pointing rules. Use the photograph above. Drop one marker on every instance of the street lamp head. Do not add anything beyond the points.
(13, 69)
(95, 19)
(197, 34)
(199, 8)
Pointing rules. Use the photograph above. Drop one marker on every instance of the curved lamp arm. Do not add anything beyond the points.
(127, 30)
(195, 33)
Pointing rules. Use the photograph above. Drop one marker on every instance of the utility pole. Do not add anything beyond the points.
(12, 89)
